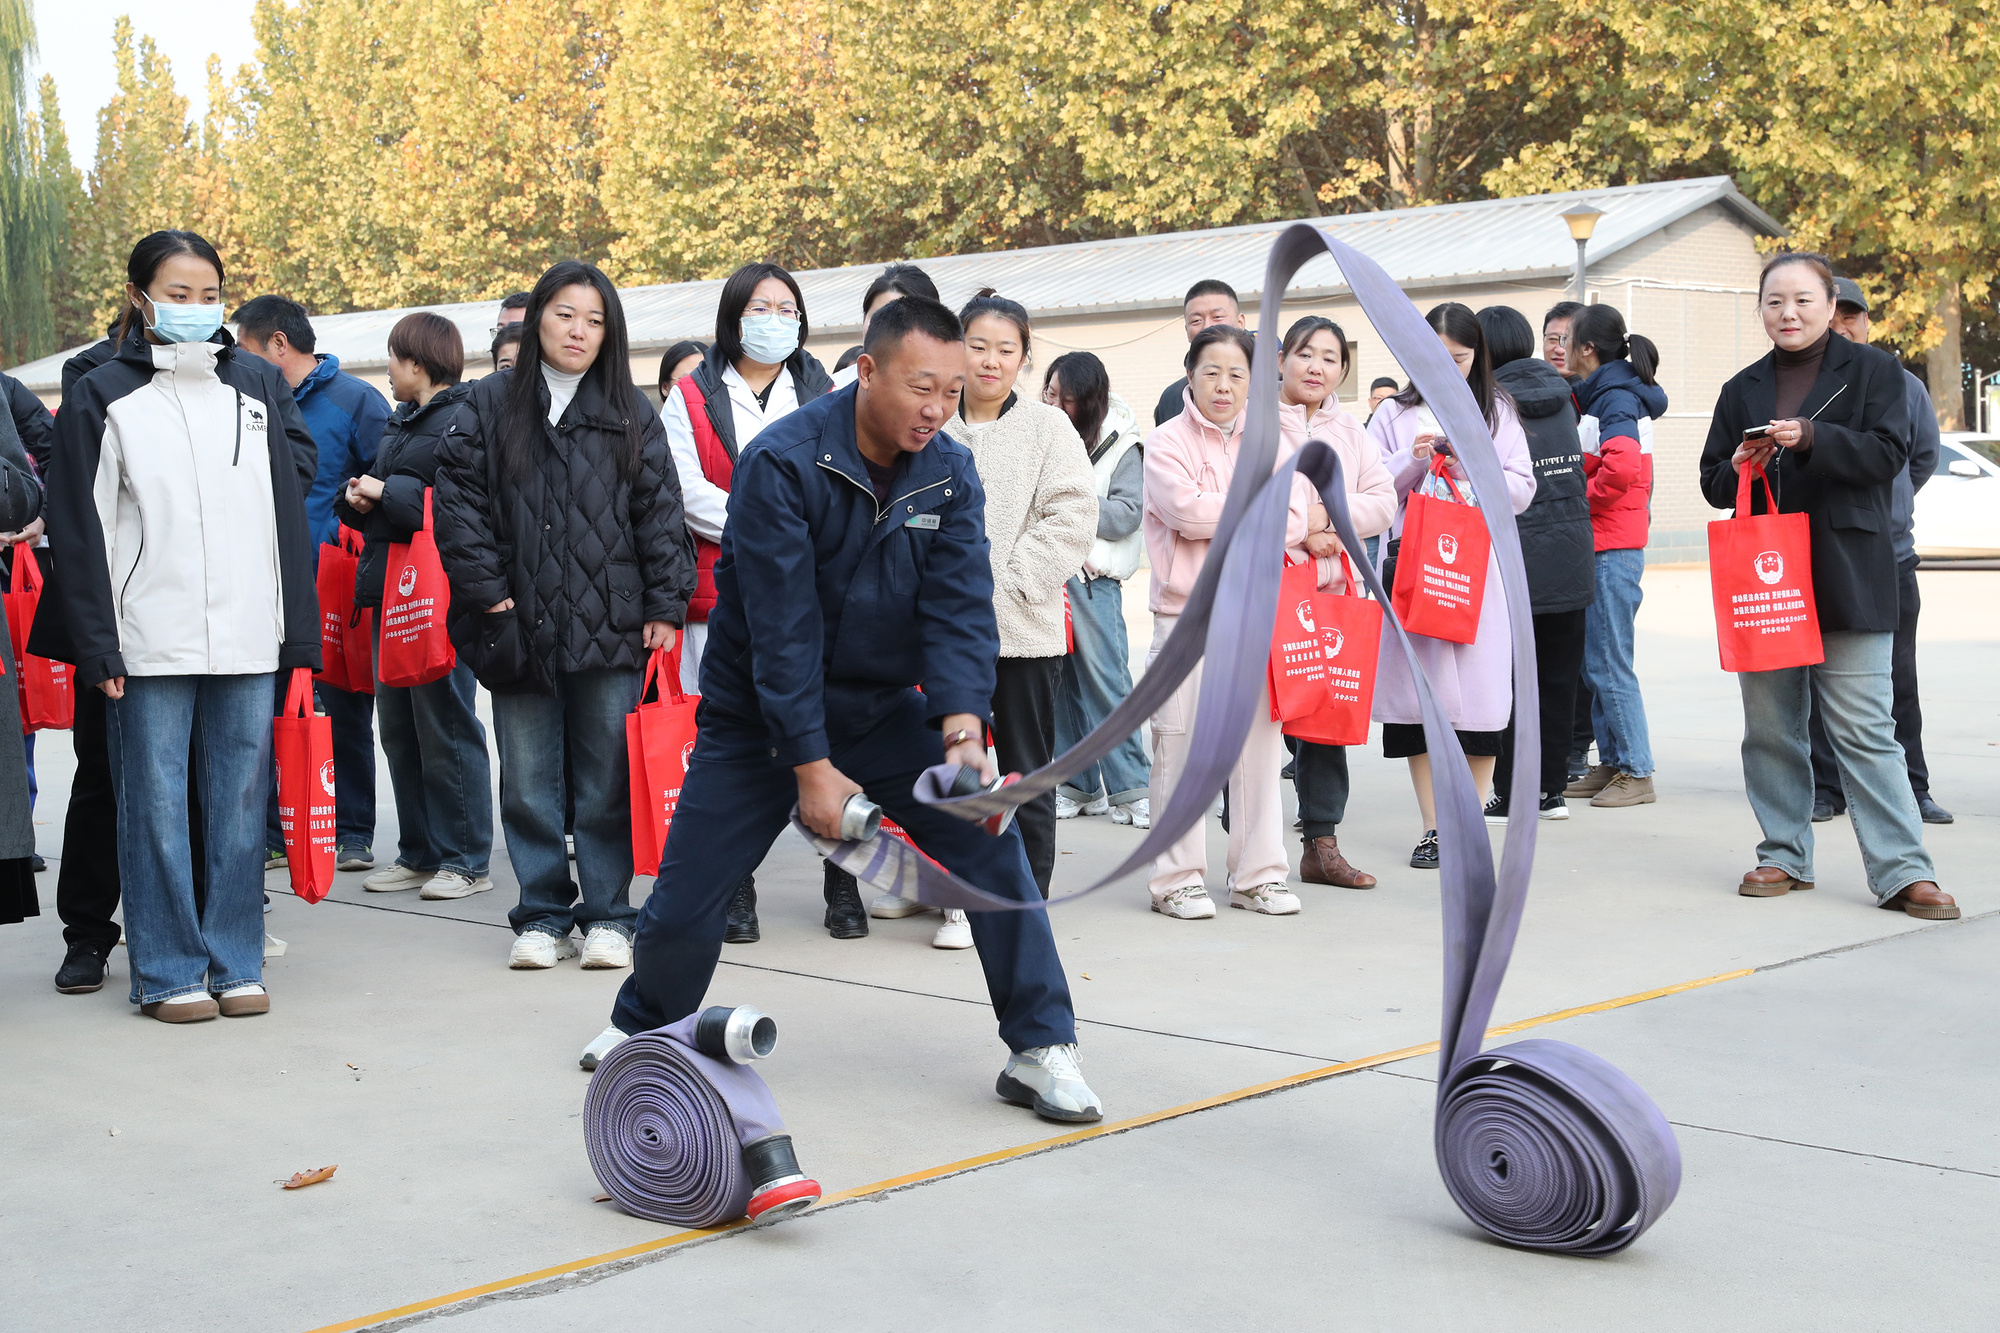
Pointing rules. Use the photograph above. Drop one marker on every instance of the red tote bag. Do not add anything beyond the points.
(659, 740)
(416, 650)
(47, 689)
(1760, 572)
(1350, 637)
(1441, 564)
(1298, 666)
(338, 560)
(303, 742)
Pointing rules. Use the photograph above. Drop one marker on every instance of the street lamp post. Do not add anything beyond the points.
(1582, 220)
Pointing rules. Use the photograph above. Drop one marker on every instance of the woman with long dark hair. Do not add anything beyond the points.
(758, 372)
(1835, 436)
(180, 527)
(679, 361)
(1473, 681)
(559, 523)
(1097, 675)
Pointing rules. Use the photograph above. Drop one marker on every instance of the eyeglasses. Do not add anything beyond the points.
(785, 311)
(1555, 340)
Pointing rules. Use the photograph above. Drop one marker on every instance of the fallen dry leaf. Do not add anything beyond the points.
(304, 1178)
(600, 1198)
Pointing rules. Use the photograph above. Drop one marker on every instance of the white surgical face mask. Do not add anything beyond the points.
(769, 339)
(185, 323)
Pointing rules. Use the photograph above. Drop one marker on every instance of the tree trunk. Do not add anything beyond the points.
(1945, 367)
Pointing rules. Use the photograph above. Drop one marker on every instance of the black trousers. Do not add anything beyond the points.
(1903, 705)
(1321, 783)
(87, 883)
(1583, 734)
(1024, 739)
(1559, 672)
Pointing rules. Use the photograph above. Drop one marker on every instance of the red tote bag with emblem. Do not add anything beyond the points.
(1441, 564)
(416, 649)
(1350, 636)
(303, 742)
(1760, 573)
(1298, 666)
(47, 690)
(337, 620)
(659, 741)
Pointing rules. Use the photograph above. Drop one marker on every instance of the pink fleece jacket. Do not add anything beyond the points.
(1189, 463)
(1371, 491)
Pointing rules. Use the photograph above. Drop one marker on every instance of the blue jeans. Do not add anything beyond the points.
(353, 717)
(1617, 713)
(439, 770)
(1854, 696)
(737, 802)
(174, 951)
(1095, 679)
(588, 711)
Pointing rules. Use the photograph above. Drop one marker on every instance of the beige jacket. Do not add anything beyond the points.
(1041, 517)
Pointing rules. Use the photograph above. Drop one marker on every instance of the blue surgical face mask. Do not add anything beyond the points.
(769, 339)
(186, 323)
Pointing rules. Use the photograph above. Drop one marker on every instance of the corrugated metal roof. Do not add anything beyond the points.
(1443, 245)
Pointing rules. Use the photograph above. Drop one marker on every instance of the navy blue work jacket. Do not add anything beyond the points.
(828, 606)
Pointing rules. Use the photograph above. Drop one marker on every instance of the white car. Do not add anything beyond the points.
(1958, 510)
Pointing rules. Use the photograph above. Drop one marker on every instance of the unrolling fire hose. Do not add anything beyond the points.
(1540, 1142)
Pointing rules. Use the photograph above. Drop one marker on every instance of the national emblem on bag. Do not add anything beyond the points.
(1770, 566)
(1447, 548)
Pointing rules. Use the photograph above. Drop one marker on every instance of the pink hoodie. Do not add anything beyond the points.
(1189, 463)
(1371, 491)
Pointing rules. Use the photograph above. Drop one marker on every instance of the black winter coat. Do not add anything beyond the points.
(1861, 441)
(35, 424)
(587, 557)
(1555, 527)
(406, 463)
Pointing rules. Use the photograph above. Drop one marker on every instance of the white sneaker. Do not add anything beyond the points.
(1069, 808)
(396, 878)
(1269, 899)
(605, 947)
(538, 948)
(1139, 813)
(454, 884)
(600, 1046)
(1050, 1079)
(273, 946)
(889, 907)
(955, 933)
(1192, 904)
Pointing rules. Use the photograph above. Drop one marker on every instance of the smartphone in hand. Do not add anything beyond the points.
(1756, 433)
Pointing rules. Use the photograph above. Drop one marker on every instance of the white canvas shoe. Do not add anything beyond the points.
(1267, 899)
(396, 879)
(600, 1046)
(889, 907)
(604, 947)
(1050, 1079)
(538, 948)
(1191, 904)
(448, 884)
(955, 933)
(1139, 813)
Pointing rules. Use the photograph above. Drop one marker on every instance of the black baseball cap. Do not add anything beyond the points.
(1846, 291)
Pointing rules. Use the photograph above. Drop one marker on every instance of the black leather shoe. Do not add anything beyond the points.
(1425, 857)
(1932, 812)
(846, 918)
(1824, 810)
(741, 927)
(82, 971)
(36, 865)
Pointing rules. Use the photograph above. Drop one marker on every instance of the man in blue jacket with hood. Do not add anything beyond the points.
(854, 569)
(346, 416)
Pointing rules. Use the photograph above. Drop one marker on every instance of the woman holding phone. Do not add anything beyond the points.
(1473, 681)
(1825, 419)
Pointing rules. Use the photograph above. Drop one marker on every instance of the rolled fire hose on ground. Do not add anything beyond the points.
(680, 1129)
(1542, 1143)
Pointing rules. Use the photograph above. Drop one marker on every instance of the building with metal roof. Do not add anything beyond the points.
(1678, 257)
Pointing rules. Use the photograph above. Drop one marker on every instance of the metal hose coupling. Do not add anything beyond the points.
(777, 1187)
(969, 783)
(860, 819)
(738, 1035)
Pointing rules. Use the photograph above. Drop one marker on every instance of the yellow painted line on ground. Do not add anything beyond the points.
(1023, 1150)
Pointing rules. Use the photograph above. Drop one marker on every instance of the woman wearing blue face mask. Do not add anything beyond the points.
(178, 521)
(757, 372)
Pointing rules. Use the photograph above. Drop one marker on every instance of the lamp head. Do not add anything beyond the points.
(1582, 220)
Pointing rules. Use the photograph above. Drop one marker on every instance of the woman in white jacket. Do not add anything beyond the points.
(179, 527)
(1097, 676)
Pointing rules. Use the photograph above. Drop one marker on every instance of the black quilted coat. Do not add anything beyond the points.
(587, 557)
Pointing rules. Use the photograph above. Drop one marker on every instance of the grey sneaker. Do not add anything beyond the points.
(454, 884)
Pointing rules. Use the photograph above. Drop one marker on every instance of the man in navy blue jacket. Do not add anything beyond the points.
(854, 569)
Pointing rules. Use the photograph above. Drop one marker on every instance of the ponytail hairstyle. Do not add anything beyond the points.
(522, 438)
(989, 302)
(1083, 390)
(144, 265)
(1456, 321)
(1220, 333)
(1602, 329)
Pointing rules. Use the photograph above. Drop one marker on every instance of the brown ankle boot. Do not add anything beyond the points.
(1323, 864)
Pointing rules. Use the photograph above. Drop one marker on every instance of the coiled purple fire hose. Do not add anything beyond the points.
(1542, 1143)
